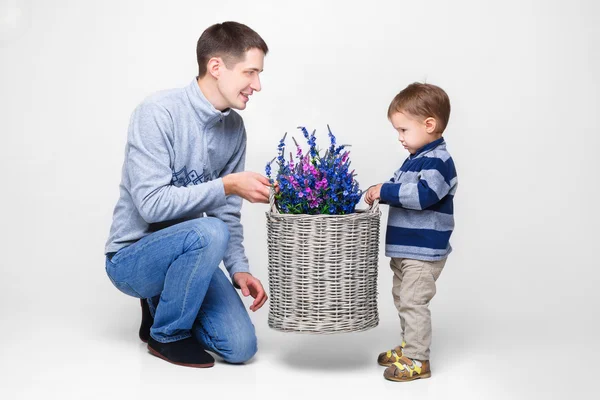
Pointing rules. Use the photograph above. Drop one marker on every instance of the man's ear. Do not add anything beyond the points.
(430, 124)
(214, 66)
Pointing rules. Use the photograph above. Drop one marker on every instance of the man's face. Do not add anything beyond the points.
(237, 83)
(412, 131)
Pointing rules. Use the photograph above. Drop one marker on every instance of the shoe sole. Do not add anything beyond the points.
(424, 376)
(157, 354)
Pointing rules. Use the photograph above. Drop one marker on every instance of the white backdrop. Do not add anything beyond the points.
(523, 81)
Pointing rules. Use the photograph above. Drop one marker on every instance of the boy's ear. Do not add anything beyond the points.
(430, 124)
(214, 66)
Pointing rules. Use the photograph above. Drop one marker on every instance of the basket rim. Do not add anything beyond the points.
(368, 213)
(373, 209)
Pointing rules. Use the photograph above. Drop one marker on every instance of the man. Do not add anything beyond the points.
(184, 159)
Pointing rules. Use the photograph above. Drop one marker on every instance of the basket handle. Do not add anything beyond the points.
(372, 208)
(272, 200)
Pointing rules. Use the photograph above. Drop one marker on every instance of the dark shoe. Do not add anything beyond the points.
(147, 321)
(187, 352)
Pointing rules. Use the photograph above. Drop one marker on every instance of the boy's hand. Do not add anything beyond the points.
(373, 193)
(251, 286)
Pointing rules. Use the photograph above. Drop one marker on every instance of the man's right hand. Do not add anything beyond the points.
(249, 185)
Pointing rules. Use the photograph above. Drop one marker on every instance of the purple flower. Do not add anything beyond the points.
(315, 183)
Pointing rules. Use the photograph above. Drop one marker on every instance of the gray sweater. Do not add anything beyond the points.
(178, 149)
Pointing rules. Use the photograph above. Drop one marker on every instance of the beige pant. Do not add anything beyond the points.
(414, 287)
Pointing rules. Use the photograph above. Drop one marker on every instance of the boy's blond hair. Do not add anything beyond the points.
(423, 100)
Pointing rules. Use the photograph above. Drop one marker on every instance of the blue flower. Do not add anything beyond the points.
(315, 184)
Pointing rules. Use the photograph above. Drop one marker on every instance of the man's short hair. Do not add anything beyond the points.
(423, 100)
(230, 41)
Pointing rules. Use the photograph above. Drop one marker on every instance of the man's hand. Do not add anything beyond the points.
(373, 193)
(249, 185)
(251, 286)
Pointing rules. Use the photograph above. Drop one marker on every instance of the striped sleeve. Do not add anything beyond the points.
(431, 184)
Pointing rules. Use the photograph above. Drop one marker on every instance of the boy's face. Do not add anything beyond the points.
(414, 132)
(237, 83)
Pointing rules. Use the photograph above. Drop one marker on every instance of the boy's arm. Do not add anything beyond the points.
(235, 259)
(148, 164)
(373, 192)
(433, 185)
(381, 200)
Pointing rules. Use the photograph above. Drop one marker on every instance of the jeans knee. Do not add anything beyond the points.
(218, 232)
(207, 232)
(243, 348)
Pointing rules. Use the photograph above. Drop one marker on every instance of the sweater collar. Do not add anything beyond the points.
(205, 111)
(427, 147)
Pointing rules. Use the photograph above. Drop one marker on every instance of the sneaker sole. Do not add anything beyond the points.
(424, 376)
(157, 354)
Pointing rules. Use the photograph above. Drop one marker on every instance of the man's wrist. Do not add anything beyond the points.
(233, 280)
(241, 272)
(229, 184)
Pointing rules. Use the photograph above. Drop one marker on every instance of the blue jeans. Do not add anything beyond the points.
(177, 270)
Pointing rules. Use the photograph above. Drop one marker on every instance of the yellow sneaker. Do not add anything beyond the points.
(389, 357)
(405, 370)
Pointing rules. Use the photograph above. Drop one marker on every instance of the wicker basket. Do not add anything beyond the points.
(323, 271)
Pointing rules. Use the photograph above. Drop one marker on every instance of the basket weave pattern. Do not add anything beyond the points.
(323, 271)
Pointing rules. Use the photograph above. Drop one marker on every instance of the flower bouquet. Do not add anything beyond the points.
(314, 184)
(323, 253)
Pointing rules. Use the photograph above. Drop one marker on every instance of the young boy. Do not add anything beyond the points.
(420, 222)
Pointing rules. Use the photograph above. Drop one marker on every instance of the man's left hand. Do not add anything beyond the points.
(251, 286)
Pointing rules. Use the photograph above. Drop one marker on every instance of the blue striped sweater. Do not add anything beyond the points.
(420, 195)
